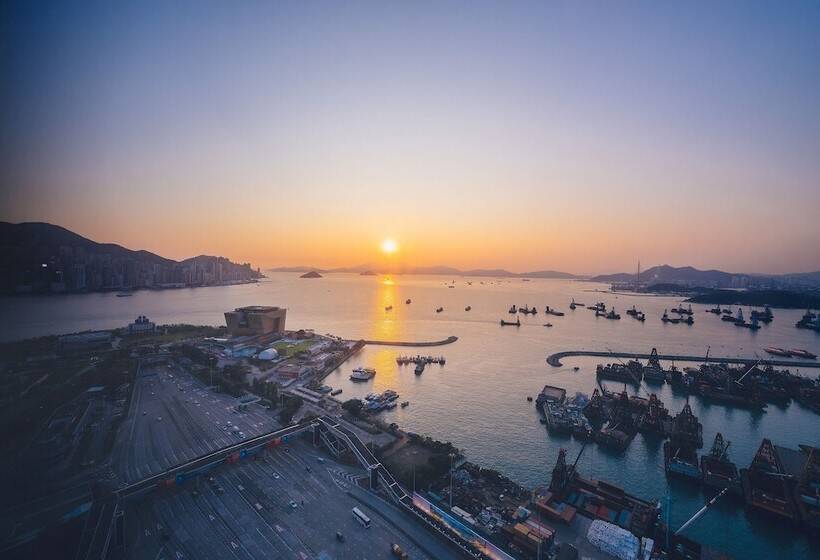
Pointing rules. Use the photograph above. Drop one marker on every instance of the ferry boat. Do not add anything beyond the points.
(362, 374)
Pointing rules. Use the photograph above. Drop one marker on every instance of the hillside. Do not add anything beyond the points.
(44, 258)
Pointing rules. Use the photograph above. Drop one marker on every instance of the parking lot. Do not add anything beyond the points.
(174, 417)
(287, 503)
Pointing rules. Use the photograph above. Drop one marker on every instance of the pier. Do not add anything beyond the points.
(448, 340)
(555, 359)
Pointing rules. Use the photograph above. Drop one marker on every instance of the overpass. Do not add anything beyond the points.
(555, 359)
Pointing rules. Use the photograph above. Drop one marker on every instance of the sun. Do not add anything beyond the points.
(389, 246)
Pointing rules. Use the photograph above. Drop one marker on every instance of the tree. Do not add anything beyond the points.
(353, 406)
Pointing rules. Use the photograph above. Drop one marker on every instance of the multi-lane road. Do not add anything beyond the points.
(173, 418)
(288, 503)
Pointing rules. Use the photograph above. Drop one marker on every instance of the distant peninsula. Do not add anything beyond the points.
(775, 298)
(41, 258)
(311, 274)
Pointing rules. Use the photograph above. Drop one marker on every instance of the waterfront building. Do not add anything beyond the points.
(255, 320)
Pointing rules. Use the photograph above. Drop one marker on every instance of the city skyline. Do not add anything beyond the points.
(531, 138)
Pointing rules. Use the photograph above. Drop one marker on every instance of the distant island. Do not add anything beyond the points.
(311, 274)
(39, 258)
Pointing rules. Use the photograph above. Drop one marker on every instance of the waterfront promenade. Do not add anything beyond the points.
(555, 359)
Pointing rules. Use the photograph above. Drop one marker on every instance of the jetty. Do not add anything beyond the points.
(555, 359)
(448, 340)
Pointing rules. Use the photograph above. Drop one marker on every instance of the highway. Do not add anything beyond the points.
(174, 418)
(243, 512)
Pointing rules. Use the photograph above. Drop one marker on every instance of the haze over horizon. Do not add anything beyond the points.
(481, 135)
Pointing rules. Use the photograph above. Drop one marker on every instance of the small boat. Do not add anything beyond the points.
(362, 374)
(439, 310)
(389, 308)
(408, 301)
(716, 310)
(510, 323)
(775, 351)
(576, 368)
(419, 368)
(803, 354)
(451, 286)
(335, 392)
(612, 315)
(468, 308)
(529, 399)
(547, 324)
(513, 310)
(572, 304)
(405, 404)
(549, 311)
(634, 311)
(124, 294)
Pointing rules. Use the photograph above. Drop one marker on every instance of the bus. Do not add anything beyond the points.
(361, 518)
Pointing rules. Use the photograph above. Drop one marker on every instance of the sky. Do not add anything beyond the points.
(573, 136)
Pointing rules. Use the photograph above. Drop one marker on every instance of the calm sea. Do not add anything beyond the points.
(478, 399)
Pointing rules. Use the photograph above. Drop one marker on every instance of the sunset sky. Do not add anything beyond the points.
(576, 136)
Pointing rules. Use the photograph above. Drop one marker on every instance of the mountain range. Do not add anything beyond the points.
(433, 270)
(663, 274)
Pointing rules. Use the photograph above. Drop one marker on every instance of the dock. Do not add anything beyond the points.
(555, 359)
(448, 340)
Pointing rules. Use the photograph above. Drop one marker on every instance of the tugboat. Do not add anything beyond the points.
(764, 316)
(572, 304)
(513, 310)
(640, 317)
(510, 323)
(717, 471)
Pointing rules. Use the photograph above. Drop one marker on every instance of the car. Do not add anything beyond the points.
(144, 413)
(159, 418)
(292, 504)
(276, 476)
(340, 537)
(320, 460)
(220, 490)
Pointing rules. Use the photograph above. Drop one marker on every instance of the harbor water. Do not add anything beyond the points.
(478, 400)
